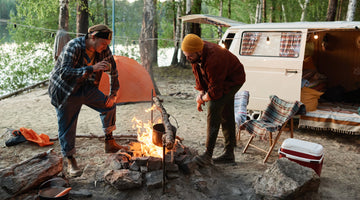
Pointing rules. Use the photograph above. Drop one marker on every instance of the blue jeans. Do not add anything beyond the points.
(68, 114)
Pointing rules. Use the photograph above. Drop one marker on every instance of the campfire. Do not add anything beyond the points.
(158, 154)
(145, 137)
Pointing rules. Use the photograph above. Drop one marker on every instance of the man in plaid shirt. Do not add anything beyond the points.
(74, 81)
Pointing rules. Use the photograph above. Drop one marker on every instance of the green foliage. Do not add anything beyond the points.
(6, 6)
(35, 21)
(166, 15)
(128, 20)
(24, 65)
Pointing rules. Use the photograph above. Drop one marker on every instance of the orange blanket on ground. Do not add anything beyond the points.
(30, 135)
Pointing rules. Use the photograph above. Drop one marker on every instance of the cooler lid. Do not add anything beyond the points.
(302, 146)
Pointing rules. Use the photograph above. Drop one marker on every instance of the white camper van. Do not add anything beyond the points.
(284, 59)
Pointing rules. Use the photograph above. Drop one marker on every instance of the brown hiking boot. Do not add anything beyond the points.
(112, 147)
(203, 160)
(73, 169)
(225, 158)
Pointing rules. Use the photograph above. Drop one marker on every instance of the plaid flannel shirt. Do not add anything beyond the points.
(70, 70)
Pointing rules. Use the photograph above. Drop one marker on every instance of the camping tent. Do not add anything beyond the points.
(135, 82)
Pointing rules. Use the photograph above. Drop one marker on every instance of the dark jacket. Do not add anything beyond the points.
(218, 72)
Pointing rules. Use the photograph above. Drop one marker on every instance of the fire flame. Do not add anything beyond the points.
(145, 132)
(150, 109)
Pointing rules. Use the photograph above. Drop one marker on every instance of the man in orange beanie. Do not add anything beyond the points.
(218, 75)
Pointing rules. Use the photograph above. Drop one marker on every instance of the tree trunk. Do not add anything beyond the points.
(64, 15)
(351, 10)
(186, 30)
(331, 12)
(82, 17)
(196, 9)
(105, 13)
(303, 8)
(229, 9)
(221, 8)
(339, 11)
(271, 12)
(263, 10)
(283, 11)
(221, 3)
(258, 13)
(177, 35)
(62, 37)
(147, 37)
(155, 37)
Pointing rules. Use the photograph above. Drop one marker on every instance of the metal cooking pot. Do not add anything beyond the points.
(158, 132)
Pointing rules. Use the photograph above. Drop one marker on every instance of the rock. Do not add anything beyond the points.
(82, 193)
(154, 164)
(134, 167)
(286, 179)
(171, 167)
(172, 175)
(29, 174)
(123, 179)
(188, 167)
(141, 161)
(154, 179)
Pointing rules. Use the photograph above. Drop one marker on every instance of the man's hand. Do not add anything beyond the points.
(199, 108)
(101, 66)
(200, 102)
(111, 100)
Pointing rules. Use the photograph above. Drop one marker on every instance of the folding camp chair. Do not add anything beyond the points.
(241, 101)
(274, 119)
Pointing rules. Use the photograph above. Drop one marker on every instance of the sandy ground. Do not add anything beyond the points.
(340, 175)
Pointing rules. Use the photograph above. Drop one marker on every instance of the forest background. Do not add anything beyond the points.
(141, 27)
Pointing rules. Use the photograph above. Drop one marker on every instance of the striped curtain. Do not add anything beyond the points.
(290, 44)
(249, 42)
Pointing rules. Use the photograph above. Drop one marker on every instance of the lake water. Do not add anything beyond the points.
(11, 60)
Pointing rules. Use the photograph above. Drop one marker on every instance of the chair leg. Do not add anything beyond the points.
(270, 138)
(272, 146)
(248, 143)
(291, 127)
(238, 135)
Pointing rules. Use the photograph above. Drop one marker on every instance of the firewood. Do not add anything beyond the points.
(26, 175)
(169, 136)
(91, 135)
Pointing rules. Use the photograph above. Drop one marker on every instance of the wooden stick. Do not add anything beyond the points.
(169, 138)
(23, 89)
(121, 137)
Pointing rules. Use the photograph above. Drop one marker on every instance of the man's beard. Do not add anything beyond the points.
(198, 60)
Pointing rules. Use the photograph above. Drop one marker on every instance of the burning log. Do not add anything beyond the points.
(169, 137)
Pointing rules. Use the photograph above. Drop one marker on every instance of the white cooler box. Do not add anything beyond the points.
(305, 153)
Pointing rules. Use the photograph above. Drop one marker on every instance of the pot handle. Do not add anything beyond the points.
(177, 124)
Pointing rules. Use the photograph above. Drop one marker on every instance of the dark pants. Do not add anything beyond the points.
(68, 115)
(221, 111)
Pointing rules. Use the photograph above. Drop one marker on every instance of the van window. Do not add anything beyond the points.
(228, 40)
(271, 43)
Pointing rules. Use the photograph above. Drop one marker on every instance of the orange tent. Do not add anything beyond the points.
(135, 82)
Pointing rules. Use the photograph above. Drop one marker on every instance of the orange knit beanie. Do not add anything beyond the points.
(192, 43)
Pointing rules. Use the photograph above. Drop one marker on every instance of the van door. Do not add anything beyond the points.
(273, 62)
